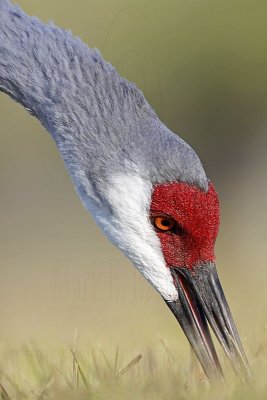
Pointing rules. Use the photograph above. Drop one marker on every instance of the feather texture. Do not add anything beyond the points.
(101, 123)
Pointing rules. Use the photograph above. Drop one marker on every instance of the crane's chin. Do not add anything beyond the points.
(201, 303)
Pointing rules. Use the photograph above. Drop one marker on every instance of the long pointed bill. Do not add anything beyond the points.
(202, 301)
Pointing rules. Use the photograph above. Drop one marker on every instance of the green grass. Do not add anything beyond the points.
(94, 373)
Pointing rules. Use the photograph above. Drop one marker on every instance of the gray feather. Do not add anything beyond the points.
(101, 123)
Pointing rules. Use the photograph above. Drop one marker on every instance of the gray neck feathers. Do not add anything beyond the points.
(101, 123)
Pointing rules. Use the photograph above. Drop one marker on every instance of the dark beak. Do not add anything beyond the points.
(201, 302)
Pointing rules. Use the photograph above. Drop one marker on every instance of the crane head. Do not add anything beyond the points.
(186, 221)
(169, 231)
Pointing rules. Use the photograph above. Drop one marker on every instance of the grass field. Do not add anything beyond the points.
(32, 372)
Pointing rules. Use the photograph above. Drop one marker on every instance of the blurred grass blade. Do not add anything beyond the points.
(166, 348)
(4, 394)
(116, 361)
(106, 360)
(96, 365)
(129, 366)
(82, 374)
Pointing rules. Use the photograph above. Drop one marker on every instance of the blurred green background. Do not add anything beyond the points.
(202, 65)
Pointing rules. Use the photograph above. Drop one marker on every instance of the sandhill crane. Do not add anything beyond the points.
(144, 186)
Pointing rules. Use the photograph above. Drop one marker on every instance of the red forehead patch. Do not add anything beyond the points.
(197, 213)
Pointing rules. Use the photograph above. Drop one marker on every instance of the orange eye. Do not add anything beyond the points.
(164, 223)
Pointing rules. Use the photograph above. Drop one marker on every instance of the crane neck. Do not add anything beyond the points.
(101, 123)
(57, 77)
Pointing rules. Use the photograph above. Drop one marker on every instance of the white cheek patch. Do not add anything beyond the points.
(129, 228)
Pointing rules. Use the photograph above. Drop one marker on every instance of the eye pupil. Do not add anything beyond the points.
(165, 222)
